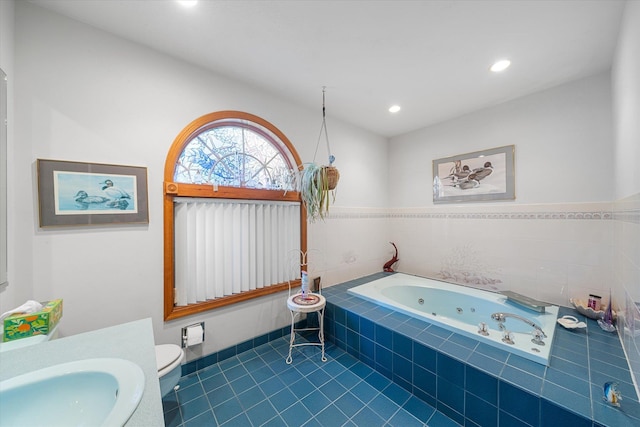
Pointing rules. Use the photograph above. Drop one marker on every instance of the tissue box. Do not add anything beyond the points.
(41, 322)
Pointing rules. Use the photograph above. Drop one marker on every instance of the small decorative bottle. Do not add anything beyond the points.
(304, 284)
(606, 323)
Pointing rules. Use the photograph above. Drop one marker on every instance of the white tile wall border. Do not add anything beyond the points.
(586, 211)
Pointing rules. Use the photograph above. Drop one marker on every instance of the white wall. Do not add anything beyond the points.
(84, 95)
(562, 138)
(7, 293)
(540, 244)
(626, 109)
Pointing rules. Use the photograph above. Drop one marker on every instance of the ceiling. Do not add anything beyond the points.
(429, 57)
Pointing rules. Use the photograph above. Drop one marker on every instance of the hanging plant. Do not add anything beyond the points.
(317, 189)
(317, 183)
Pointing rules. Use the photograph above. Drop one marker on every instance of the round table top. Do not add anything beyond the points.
(306, 304)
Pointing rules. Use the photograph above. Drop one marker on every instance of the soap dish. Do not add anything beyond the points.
(570, 322)
(587, 311)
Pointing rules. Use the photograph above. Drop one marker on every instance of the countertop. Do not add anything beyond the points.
(132, 341)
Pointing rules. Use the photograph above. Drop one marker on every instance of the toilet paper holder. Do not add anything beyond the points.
(185, 334)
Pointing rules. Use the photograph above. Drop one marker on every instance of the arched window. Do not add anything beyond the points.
(231, 213)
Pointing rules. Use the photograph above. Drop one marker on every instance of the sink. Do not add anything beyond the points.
(89, 392)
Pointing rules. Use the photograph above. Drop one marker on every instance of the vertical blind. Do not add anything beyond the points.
(225, 246)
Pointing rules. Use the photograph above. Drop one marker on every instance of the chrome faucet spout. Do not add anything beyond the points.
(501, 317)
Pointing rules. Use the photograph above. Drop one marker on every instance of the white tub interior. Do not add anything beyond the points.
(461, 309)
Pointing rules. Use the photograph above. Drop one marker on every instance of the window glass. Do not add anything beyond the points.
(235, 155)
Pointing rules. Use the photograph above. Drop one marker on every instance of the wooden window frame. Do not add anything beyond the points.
(173, 189)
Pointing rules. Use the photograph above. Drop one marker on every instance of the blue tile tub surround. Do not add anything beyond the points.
(479, 385)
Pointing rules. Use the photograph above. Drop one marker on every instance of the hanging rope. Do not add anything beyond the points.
(323, 127)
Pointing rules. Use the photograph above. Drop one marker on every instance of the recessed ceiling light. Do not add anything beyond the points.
(188, 3)
(501, 65)
(394, 108)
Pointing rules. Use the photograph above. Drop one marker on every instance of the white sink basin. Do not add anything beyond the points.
(90, 392)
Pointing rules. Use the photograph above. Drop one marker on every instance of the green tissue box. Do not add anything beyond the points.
(27, 325)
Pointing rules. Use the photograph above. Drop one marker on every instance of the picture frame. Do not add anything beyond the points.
(84, 194)
(486, 175)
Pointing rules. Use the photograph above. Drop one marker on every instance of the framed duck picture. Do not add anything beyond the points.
(486, 175)
(77, 193)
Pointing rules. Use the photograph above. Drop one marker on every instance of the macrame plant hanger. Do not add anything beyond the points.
(332, 173)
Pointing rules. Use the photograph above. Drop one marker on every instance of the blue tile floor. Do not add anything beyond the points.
(257, 388)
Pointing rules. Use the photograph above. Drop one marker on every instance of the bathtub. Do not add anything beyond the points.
(462, 309)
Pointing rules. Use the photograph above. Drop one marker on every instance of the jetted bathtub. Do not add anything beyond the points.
(463, 310)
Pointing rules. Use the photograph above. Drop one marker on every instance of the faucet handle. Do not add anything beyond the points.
(537, 337)
(507, 337)
(483, 329)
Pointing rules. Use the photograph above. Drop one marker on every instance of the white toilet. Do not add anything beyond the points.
(169, 359)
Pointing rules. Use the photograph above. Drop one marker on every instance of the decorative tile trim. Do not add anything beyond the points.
(632, 216)
(560, 215)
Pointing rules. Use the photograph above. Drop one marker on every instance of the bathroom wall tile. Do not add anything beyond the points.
(402, 345)
(526, 365)
(392, 321)
(577, 403)
(353, 321)
(340, 315)
(553, 415)
(402, 368)
(425, 380)
(463, 341)
(605, 355)
(493, 352)
(353, 340)
(424, 357)
(577, 370)
(609, 369)
(367, 328)
(340, 333)
(384, 356)
(454, 350)
(519, 404)
(450, 369)
(479, 411)
(481, 385)
(450, 394)
(427, 338)
(522, 379)
(505, 419)
(367, 348)
(384, 337)
(485, 363)
(561, 379)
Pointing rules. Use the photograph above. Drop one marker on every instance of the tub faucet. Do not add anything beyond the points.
(538, 333)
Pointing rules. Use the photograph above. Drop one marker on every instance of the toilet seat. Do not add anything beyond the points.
(168, 356)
